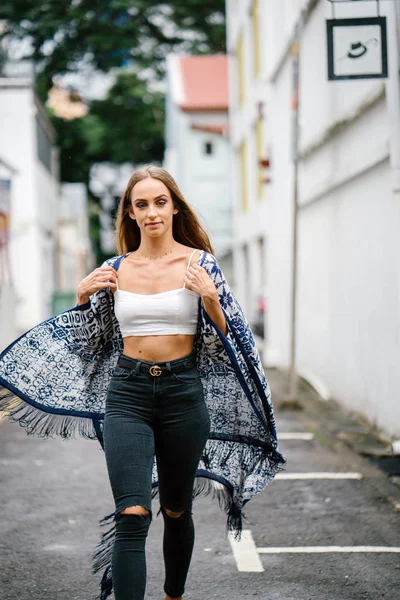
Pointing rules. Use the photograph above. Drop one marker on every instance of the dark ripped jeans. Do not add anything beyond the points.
(163, 415)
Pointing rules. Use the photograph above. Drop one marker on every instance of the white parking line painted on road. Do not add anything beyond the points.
(326, 549)
(245, 553)
(296, 436)
(322, 475)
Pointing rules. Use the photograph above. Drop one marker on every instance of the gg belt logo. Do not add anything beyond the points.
(155, 371)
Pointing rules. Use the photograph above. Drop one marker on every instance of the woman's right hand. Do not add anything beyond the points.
(103, 277)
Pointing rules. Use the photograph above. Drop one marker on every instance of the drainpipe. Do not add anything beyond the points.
(393, 91)
(393, 107)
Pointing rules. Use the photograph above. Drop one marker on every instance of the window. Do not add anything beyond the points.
(240, 70)
(255, 17)
(243, 175)
(246, 277)
(261, 252)
(259, 153)
(208, 148)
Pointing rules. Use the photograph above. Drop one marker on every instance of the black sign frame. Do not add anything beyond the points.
(357, 22)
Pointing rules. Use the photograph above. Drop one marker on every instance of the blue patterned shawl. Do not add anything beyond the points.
(54, 380)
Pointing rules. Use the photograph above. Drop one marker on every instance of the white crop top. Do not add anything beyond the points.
(167, 313)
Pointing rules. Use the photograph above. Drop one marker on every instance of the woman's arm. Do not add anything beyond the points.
(214, 310)
(198, 280)
(103, 277)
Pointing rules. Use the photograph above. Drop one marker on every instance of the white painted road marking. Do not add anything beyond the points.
(326, 549)
(296, 436)
(322, 475)
(245, 553)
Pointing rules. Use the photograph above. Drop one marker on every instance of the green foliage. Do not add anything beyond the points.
(113, 33)
(128, 125)
(72, 143)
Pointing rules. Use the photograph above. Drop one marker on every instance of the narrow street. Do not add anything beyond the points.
(53, 493)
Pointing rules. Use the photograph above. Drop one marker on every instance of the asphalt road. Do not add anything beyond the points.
(52, 494)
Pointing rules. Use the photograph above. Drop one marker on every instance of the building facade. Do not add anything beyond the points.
(75, 258)
(27, 142)
(197, 143)
(348, 309)
(8, 328)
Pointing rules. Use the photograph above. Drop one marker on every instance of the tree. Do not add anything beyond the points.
(128, 125)
(113, 33)
(72, 144)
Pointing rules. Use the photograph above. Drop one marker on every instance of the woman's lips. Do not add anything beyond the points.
(153, 224)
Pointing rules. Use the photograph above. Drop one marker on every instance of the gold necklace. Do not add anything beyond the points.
(154, 257)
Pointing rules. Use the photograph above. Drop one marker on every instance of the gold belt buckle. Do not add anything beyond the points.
(155, 371)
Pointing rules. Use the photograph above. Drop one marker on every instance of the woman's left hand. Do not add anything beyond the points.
(198, 280)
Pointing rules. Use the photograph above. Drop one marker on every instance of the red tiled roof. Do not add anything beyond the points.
(204, 82)
(218, 129)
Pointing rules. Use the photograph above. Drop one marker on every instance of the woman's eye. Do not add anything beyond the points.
(161, 202)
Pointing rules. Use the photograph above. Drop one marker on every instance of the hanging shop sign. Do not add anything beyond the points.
(357, 48)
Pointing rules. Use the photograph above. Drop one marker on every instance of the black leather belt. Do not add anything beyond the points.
(155, 369)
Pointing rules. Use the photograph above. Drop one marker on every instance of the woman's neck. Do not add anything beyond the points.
(156, 248)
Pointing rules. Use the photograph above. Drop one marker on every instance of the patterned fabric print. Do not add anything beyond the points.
(239, 329)
(242, 448)
(63, 365)
(60, 370)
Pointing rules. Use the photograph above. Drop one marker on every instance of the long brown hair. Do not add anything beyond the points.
(186, 228)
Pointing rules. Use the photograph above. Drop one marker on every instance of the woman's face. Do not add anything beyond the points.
(152, 207)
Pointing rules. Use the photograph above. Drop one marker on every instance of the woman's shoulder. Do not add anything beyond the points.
(194, 255)
(113, 261)
(206, 258)
(197, 253)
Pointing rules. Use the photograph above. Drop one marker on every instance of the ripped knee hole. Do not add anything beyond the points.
(172, 514)
(135, 510)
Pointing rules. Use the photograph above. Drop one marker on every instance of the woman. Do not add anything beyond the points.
(157, 361)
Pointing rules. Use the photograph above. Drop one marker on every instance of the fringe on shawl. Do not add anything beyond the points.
(203, 487)
(43, 424)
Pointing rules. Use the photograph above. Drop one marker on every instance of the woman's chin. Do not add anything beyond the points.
(155, 232)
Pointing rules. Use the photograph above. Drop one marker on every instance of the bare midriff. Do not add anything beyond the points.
(158, 348)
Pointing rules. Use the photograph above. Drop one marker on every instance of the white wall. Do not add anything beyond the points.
(33, 200)
(75, 257)
(349, 279)
(349, 311)
(8, 331)
(348, 276)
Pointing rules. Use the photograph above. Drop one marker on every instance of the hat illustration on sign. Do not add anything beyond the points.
(357, 50)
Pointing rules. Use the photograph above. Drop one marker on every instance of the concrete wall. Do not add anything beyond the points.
(74, 256)
(33, 203)
(8, 331)
(348, 276)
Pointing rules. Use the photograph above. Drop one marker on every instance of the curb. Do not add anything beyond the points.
(327, 420)
(372, 475)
